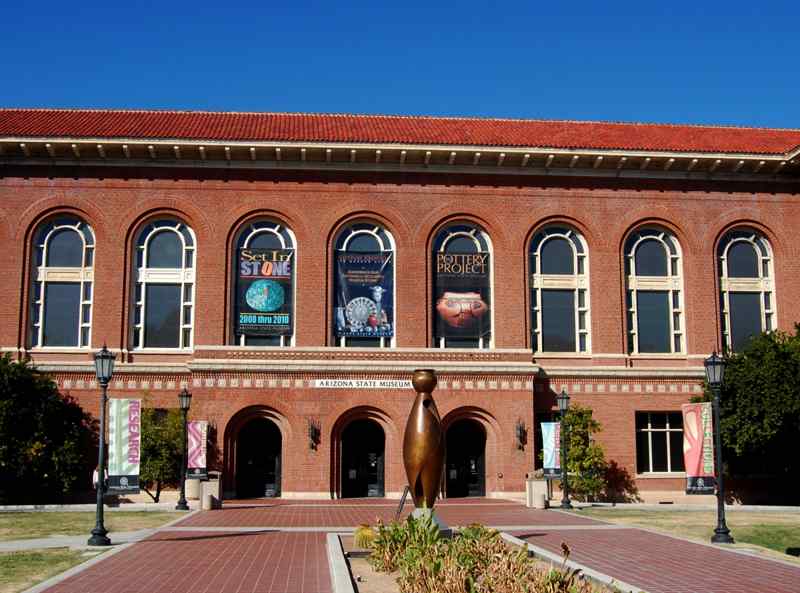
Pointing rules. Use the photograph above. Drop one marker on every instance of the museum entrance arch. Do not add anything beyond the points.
(253, 456)
(363, 446)
(465, 464)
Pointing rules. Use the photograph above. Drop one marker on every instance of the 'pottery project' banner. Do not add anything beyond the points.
(698, 448)
(551, 449)
(461, 284)
(124, 445)
(364, 295)
(198, 437)
(264, 292)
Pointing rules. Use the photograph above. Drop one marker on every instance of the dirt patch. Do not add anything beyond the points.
(368, 580)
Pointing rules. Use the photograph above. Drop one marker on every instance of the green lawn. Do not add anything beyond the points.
(22, 570)
(767, 529)
(26, 525)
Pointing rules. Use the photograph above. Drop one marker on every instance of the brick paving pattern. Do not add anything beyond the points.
(198, 562)
(662, 564)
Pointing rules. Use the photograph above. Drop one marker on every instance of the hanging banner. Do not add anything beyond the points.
(698, 448)
(461, 284)
(264, 292)
(124, 445)
(364, 295)
(551, 449)
(198, 438)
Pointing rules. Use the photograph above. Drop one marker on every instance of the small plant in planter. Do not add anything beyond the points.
(363, 536)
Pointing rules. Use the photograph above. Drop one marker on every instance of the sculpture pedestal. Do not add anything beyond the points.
(444, 530)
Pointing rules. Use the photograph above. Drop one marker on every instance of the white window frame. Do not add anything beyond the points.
(288, 241)
(578, 282)
(385, 240)
(763, 284)
(672, 283)
(650, 430)
(483, 242)
(44, 275)
(183, 276)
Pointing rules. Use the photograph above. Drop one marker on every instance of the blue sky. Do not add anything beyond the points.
(683, 62)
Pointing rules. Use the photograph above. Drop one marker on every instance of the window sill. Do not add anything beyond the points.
(161, 351)
(60, 349)
(657, 475)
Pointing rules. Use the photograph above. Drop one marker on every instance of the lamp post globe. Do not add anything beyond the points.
(104, 370)
(563, 406)
(184, 401)
(715, 373)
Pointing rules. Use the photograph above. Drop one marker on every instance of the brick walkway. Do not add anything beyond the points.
(662, 564)
(278, 546)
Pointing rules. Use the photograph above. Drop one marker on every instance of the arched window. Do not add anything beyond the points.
(559, 291)
(163, 312)
(263, 283)
(462, 281)
(747, 288)
(654, 299)
(61, 295)
(364, 299)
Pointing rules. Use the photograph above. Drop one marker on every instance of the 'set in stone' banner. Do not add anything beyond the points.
(197, 441)
(461, 283)
(124, 445)
(364, 295)
(264, 292)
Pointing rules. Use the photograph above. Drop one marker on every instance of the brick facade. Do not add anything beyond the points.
(232, 384)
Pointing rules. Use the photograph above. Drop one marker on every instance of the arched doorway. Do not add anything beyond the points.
(465, 468)
(362, 453)
(258, 459)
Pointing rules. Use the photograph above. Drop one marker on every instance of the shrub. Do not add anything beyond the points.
(162, 442)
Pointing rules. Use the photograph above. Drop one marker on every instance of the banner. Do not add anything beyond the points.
(364, 295)
(698, 448)
(551, 449)
(198, 438)
(461, 286)
(124, 445)
(264, 292)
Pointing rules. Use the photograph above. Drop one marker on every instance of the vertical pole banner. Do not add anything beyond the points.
(698, 448)
(124, 445)
(364, 295)
(198, 437)
(551, 449)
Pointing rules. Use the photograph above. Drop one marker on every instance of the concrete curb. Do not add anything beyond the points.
(340, 572)
(641, 506)
(77, 569)
(590, 573)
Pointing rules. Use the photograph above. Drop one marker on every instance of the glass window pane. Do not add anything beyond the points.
(651, 258)
(582, 340)
(675, 420)
(653, 321)
(87, 291)
(187, 315)
(164, 250)
(658, 420)
(460, 244)
(767, 300)
(642, 453)
(659, 451)
(162, 317)
(89, 257)
(86, 313)
(84, 336)
(266, 240)
(557, 257)
(642, 420)
(745, 317)
(742, 261)
(187, 338)
(461, 342)
(363, 342)
(65, 249)
(676, 451)
(62, 309)
(558, 320)
(189, 259)
(582, 320)
(262, 340)
(187, 293)
(363, 242)
(581, 298)
(581, 265)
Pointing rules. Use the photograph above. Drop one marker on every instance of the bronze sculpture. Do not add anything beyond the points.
(423, 442)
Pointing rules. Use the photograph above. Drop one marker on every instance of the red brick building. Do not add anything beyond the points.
(604, 259)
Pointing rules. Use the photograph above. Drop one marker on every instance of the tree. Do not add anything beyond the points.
(760, 405)
(162, 441)
(46, 439)
(585, 459)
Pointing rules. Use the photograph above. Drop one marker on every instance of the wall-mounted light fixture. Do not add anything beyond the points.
(314, 433)
(521, 434)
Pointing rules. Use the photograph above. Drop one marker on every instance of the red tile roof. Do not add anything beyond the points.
(389, 129)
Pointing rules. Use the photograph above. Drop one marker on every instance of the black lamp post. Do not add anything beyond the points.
(563, 406)
(715, 373)
(104, 368)
(185, 400)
